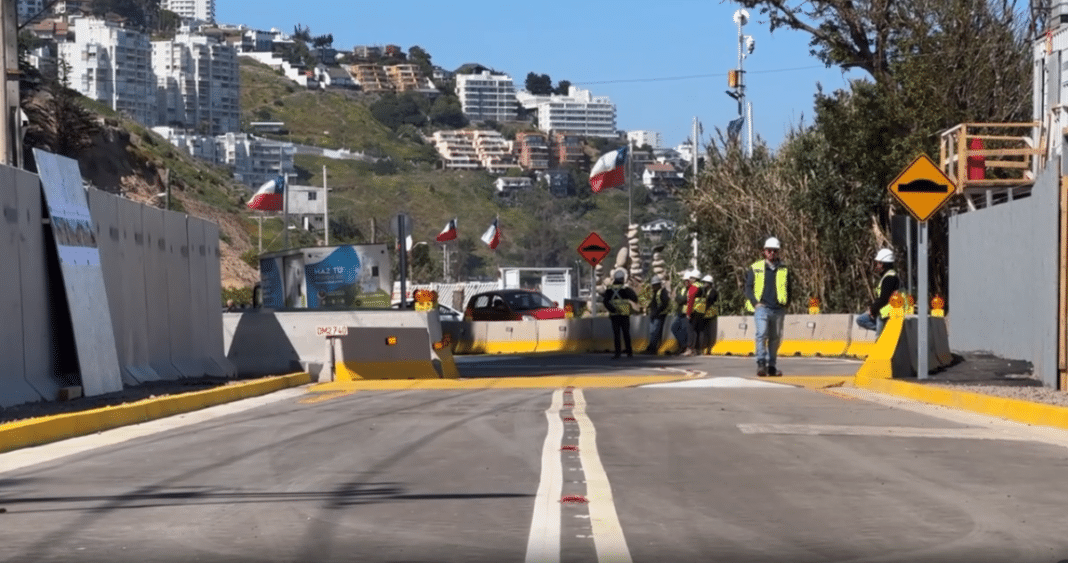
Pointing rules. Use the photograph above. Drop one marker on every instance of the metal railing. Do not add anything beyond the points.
(1007, 155)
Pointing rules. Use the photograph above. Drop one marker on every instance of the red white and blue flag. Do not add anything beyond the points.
(269, 196)
(448, 233)
(492, 236)
(609, 170)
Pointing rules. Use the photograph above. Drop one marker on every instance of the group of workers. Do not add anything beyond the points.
(768, 290)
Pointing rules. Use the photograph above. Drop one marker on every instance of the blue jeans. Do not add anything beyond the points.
(864, 320)
(680, 328)
(769, 323)
(656, 329)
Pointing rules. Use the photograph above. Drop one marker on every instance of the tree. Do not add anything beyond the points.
(447, 112)
(58, 123)
(418, 56)
(321, 41)
(302, 33)
(539, 84)
(563, 88)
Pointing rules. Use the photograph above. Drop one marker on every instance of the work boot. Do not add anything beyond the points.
(761, 370)
(772, 372)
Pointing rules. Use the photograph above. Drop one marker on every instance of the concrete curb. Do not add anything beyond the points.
(1038, 414)
(42, 430)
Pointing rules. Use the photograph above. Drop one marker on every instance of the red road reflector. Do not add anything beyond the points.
(569, 404)
(569, 448)
(569, 419)
(574, 498)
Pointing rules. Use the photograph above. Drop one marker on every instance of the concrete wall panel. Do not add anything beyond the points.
(1003, 278)
(135, 300)
(182, 341)
(14, 387)
(200, 318)
(36, 315)
(815, 335)
(157, 289)
(213, 326)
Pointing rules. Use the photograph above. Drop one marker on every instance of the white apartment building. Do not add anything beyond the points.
(27, 9)
(200, 10)
(487, 97)
(456, 150)
(255, 160)
(198, 84)
(579, 112)
(642, 138)
(473, 149)
(113, 66)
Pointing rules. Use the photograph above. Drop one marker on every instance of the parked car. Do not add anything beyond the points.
(511, 305)
(445, 312)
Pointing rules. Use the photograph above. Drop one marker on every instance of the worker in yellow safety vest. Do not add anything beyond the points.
(710, 325)
(695, 313)
(620, 300)
(680, 327)
(879, 311)
(768, 288)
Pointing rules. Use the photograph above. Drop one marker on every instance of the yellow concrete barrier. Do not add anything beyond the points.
(392, 353)
(511, 337)
(735, 336)
(815, 335)
(560, 335)
(861, 340)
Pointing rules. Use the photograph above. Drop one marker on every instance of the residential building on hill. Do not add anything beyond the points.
(642, 138)
(371, 77)
(487, 97)
(533, 150)
(661, 179)
(198, 84)
(408, 77)
(199, 10)
(470, 149)
(112, 65)
(578, 112)
(254, 160)
(27, 9)
(566, 148)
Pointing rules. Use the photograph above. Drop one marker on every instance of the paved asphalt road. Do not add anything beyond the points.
(719, 468)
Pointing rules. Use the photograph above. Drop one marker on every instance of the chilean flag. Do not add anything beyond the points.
(448, 233)
(269, 196)
(608, 171)
(492, 236)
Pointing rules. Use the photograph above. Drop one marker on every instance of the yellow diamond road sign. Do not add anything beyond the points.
(922, 188)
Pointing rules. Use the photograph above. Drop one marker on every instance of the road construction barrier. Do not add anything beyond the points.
(391, 353)
(861, 340)
(815, 335)
(562, 335)
(511, 337)
(735, 336)
(264, 342)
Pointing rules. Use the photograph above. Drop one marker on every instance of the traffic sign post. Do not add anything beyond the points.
(593, 249)
(922, 188)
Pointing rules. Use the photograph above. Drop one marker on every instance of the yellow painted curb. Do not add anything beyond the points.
(543, 382)
(1012, 409)
(42, 430)
(879, 362)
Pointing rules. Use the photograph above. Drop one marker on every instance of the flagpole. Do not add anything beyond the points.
(630, 183)
(326, 208)
(285, 205)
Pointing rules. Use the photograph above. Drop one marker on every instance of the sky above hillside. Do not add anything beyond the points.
(662, 63)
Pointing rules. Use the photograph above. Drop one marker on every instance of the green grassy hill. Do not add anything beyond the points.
(538, 229)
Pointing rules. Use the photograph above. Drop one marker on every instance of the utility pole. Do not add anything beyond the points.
(696, 126)
(9, 93)
(736, 81)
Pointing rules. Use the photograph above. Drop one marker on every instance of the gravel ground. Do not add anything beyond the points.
(990, 375)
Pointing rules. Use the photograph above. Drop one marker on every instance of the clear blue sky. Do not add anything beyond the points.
(661, 63)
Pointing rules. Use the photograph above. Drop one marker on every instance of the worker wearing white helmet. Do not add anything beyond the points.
(680, 327)
(657, 311)
(879, 310)
(709, 325)
(694, 301)
(768, 289)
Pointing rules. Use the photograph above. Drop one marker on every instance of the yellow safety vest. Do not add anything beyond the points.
(622, 306)
(884, 312)
(758, 284)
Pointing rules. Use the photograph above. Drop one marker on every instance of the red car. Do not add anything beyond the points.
(511, 305)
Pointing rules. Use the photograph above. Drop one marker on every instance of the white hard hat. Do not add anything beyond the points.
(884, 255)
(707, 278)
(772, 242)
(655, 280)
(619, 275)
(694, 275)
